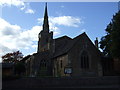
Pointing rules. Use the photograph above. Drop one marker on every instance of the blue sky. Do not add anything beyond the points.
(21, 22)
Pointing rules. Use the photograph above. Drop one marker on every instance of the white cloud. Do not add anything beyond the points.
(11, 2)
(31, 34)
(30, 11)
(16, 38)
(55, 30)
(64, 20)
(22, 8)
(83, 30)
(7, 29)
(34, 46)
(18, 3)
(69, 21)
(52, 27)
(40, 20)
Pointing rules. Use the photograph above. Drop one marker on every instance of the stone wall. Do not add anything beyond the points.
(59, 65)
(84, 44)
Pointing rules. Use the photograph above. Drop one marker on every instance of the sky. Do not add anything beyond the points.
(20, 22)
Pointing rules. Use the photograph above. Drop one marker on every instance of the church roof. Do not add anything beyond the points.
(65, 43)
(62, 45)
(42, 55)
(81, 36)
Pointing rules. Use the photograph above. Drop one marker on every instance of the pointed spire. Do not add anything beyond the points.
(45, 22)
(46, 14)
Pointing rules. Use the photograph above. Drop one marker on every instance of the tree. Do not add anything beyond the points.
(19, 68)
(12, 57)
(15, 58)
(110, 43)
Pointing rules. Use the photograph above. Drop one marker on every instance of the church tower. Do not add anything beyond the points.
(45, 36)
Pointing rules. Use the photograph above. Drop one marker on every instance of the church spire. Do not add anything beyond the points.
(46, 14)
(45, 22)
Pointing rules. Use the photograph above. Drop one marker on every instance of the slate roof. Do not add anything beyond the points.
(81, 36)
(42, 55)
(65, 43)
(62, 45)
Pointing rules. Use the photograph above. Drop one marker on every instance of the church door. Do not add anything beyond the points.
(43, 68)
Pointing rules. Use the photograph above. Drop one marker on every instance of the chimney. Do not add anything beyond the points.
(96, 42)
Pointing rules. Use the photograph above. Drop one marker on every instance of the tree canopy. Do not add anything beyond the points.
(12, 57)
(110, 43)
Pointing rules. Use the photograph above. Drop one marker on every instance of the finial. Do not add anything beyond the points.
(96, 42)
(96, 38)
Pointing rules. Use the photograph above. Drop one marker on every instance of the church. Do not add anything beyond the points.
(64, 56)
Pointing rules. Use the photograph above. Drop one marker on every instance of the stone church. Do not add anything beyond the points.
(64, 56)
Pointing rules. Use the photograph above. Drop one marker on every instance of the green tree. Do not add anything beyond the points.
(110, 43)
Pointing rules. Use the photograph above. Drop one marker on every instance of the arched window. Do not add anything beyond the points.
(84, 60)
(43, 64)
